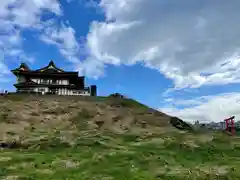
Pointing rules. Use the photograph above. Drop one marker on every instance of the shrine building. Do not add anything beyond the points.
(51, 80)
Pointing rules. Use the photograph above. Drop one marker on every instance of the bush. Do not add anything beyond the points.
(117, 95)
(118, 100)
(180, 124)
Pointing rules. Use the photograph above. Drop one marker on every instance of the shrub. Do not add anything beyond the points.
(117, 95)
(180, 124)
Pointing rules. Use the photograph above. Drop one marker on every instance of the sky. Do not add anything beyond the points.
(180, 57)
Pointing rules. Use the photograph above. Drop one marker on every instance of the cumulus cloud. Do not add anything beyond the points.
(191, 42)
(64, 38)
(206, 108)
(17, 16)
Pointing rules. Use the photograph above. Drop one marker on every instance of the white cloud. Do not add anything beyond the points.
(15, 17)
(191, 42)
(26, 13)
(206, 108)
(19, 15)
(64, 38)
(3, 69)
(90, 67)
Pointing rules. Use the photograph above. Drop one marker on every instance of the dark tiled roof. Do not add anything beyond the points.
(50, 68)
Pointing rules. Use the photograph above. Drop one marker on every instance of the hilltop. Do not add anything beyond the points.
(116, 115)
(69, 137)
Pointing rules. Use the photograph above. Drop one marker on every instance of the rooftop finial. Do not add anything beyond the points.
(51, 62)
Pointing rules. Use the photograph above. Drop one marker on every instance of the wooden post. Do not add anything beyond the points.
(227, 128)
(232, 125)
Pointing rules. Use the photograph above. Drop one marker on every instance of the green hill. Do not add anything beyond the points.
(86, 138)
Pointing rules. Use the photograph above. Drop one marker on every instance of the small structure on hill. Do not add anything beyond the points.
(117, 95)
(51, 80)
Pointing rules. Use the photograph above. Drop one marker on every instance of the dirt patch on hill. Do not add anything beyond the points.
(28, 118)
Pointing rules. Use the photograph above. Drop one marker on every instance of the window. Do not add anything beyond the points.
(66, 82)
(34, 80)
(61, 81)
(44, 81)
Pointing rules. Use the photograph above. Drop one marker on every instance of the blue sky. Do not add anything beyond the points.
(179, 57)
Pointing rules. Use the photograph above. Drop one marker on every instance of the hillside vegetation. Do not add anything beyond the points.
(86, 138)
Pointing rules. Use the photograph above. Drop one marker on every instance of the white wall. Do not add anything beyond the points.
(42, 89)
(49, 81)
(61, 91)
(63, 81)
(65, 91)
(81, 93)
(34, 80)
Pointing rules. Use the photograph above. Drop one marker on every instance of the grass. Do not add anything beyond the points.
(126, 103)
(64, 138)
(81, 118)
(130, 157)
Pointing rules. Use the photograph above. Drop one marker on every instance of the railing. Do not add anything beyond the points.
(27, 92)
(46, 83)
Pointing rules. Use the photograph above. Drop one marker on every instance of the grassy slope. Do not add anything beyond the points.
(102, 139)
